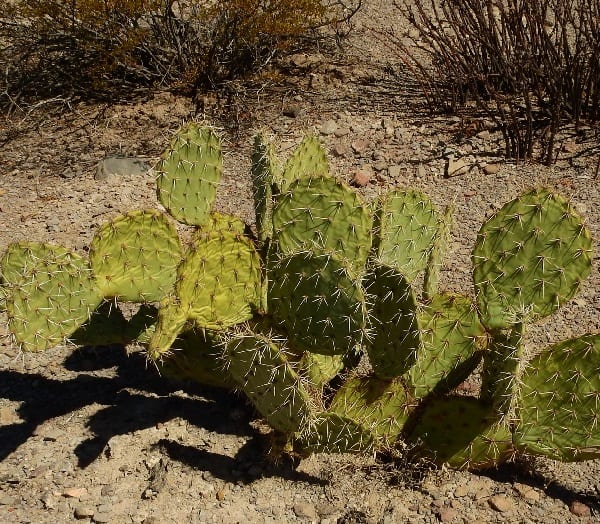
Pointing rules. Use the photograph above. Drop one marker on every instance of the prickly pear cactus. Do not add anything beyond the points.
(189, 173)
(319, 213)
(558, 401)
(49, 297)
(317, 302)
(134, 257)
(308, 159)
(395, 336)
(258, 364)
(406, 225)
(265, 173)
(530, 258)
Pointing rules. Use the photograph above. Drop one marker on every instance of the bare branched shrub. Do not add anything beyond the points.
(531, 65)
(108, 47)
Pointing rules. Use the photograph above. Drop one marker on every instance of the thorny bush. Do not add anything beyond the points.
(101, 48)
(530, 65)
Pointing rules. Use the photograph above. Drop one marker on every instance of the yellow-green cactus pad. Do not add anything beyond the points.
(135, 256)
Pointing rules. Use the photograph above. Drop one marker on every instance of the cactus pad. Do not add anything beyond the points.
(406, 224)
(452, 342)
(308, 159)
(462, 432)
(529, 258)
(54, 295)
(320, 369)
(382, 406)
(395, 336)
(333, 433)
(317, 302)
(260, 367)
(135, 256)
(265, 171)
(189, 173)
(559, 398)
(319, 213)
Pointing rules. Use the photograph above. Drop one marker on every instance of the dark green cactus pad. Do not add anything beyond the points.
(317, 303)
(530, 258)
(308, 159)
(406, 225)
(382, 406)
(461, 432)
(319, 213)
(438, 249)
(259, 365)
(394, 339)
(134, 257)
(105, 327)
(320, 369)
(502, 368)
(332, 433)
(558, 404)
(189, 173)
(197, 356)
(453, 339)
(265, 171)
(50, 297)
(219, 281)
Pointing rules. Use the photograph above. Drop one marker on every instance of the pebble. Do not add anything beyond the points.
(74, 493)
(341, 131)
(447, 514)
(120, 166)
(395, 171)
(362, 177)
(491, 169)
(340, 150)
(360, 146)
(580, 509)
(292, 111)
(329, 127)
(461, 491)
(102, 517)
(501, 503)
(8, 415)
(527, 492)
(83, 512)
(305, 510)
(456, 167)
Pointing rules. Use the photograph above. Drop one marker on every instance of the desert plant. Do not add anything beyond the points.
(105, 47)
(286, 316)
(531, 66)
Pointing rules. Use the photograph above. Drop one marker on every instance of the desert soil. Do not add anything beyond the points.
(95, 435)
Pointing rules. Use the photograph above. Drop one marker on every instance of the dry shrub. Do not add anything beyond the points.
(531, 65)
(107, 48)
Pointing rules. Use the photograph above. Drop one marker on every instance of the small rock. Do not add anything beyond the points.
(117, 165)
(7, 500)
(395, 171)
(447, 514)
(48, 501)
(340, 150)
(456, 167)
(329, 127)
(221, 494)
(362, 177)
(421, 171)
(380, 165)
(461, 491)
(501, 503)
(527, 492)
(8, 416)
(83, 512)
(569, 147)
(484, 135)
(491, 169)
(341, 131)
(305, 510)
(102, 517)
(580, 509)
(292, 111)
(361, 146)
(325, 509)
(108, 490)
(74, 493)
